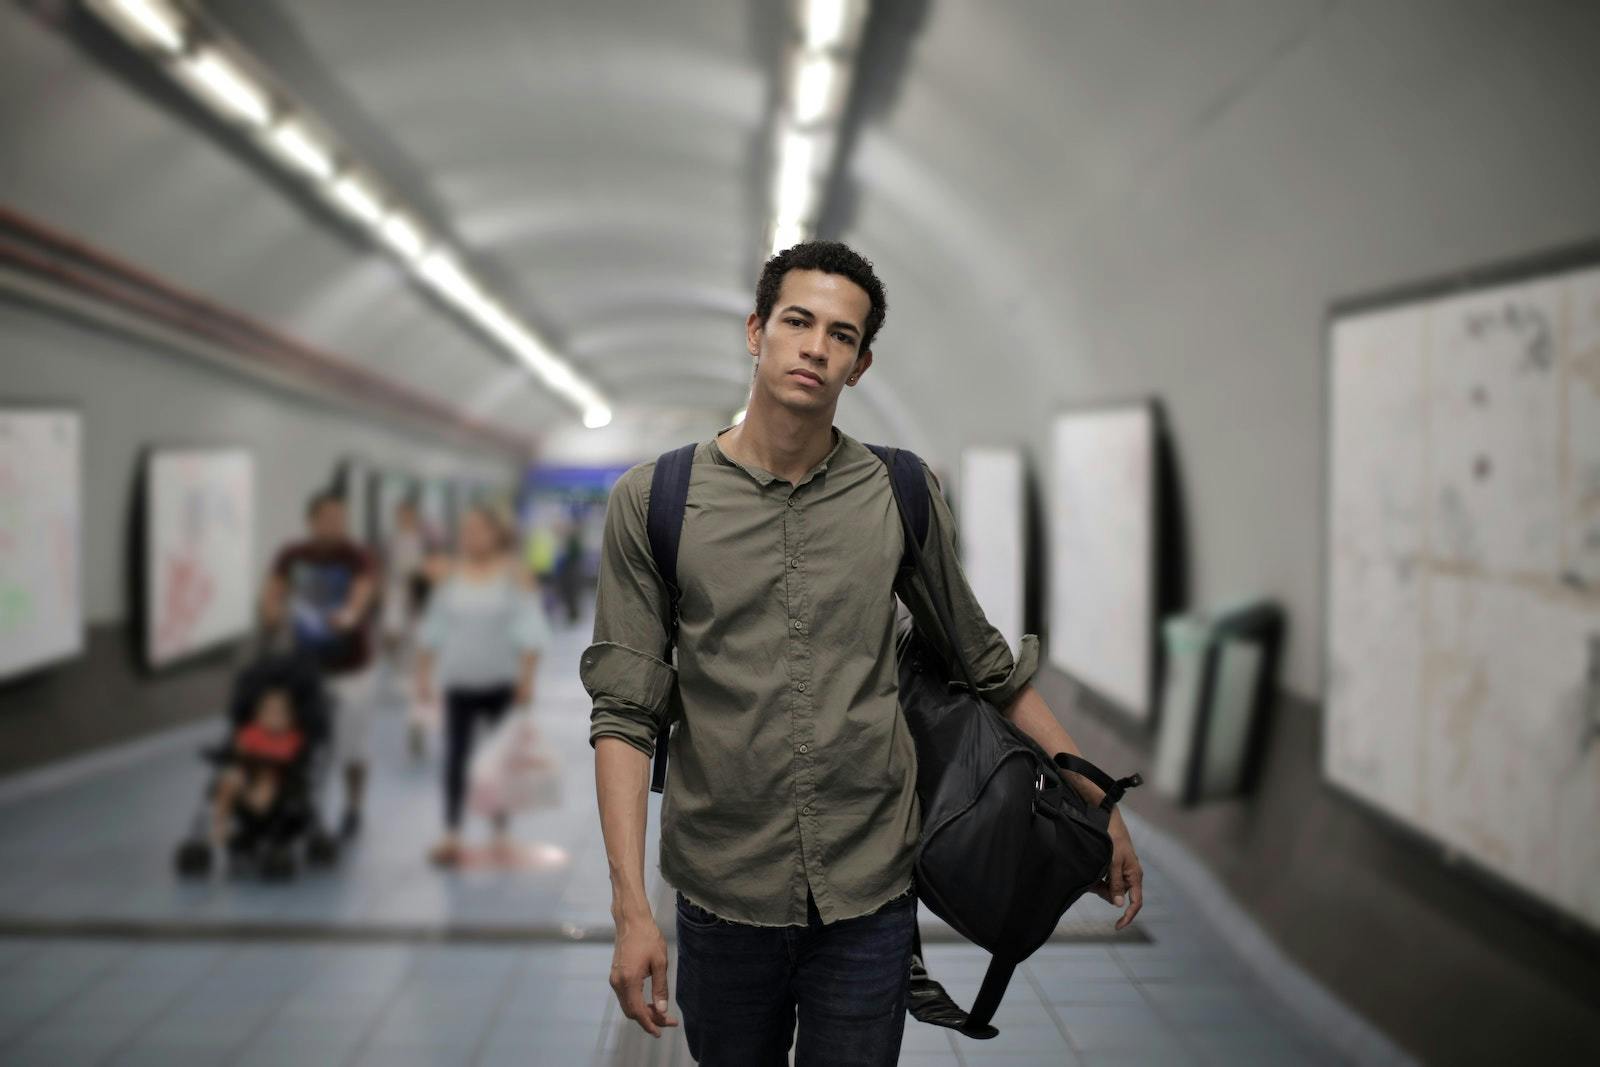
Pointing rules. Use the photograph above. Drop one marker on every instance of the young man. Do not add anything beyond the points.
(789, 824)
(322, 588)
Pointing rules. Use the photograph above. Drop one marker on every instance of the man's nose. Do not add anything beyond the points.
(816, 344)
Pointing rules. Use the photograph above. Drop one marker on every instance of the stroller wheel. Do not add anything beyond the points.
(193, 859)
(321, 850)
(277, 865)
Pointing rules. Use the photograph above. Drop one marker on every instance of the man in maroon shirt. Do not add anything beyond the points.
(322, 589)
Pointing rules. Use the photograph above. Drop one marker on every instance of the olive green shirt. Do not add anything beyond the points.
(791, 765)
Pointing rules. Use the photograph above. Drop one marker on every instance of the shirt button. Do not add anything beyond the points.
(797, 624)
(806, 810)
(790, 502)
(793, 563)
(804, 748)
(801, 686)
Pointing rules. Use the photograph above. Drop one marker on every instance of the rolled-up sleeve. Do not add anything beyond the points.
(999, 675)
(623, 670)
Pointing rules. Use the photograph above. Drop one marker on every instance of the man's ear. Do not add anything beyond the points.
(752, 334)
(863, 361)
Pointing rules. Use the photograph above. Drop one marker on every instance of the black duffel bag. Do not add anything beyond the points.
(1008, 845)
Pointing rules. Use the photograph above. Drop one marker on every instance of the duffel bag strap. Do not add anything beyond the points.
(930, 1003)
(1114, 788)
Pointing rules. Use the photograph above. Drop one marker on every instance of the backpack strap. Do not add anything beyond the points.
(669, 495)
(911, 493)
(915, 502)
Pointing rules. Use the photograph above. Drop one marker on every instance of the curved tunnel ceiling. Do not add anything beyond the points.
(596, 161)
(602, 164)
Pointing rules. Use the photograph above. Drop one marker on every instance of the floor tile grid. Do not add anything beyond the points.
(167, 1007)
(518, 971)
(1282, 1020)
(262, 1026)
(42, 958)
(376, 1022)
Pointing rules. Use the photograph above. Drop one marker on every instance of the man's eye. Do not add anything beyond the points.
(795, 322)
(846, 338)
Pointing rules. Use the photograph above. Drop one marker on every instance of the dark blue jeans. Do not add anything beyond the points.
(738, 987)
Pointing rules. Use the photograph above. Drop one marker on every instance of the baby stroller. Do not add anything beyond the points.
(268, 841)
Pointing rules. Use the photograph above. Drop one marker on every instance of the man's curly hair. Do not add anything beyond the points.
(831, 257)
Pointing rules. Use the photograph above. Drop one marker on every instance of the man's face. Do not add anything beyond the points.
(328, 521)
(810, 345)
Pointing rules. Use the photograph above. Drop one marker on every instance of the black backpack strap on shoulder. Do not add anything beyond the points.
(910, 493)
(915, 502)
(669, 495)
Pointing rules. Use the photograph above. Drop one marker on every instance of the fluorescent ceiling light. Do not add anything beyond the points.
(813, 89)
(229, 87)
(795, 186)
(442, 272)
(402, 235)
(825, 23)
(358, 199)
(150, 21)
(300, 149)
(786, 235)
(219, 76)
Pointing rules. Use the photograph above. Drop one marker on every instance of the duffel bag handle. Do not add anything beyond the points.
(1114, 788)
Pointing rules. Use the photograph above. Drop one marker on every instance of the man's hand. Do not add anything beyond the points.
(641, 951)
(1125, 875)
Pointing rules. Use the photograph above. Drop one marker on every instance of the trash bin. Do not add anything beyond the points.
(1220, 670)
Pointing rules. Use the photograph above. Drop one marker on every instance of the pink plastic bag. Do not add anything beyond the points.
(513, 770)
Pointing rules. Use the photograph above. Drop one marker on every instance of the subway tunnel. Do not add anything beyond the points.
(1252, 352)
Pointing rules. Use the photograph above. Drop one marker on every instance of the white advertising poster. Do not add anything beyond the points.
(1101, 545)
(991, 521)
(199, 550)
(41, 537)
(1463, 658)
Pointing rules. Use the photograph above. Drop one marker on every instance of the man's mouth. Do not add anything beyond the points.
(806, 375)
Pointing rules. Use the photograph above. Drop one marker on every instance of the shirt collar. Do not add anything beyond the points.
(766, 477)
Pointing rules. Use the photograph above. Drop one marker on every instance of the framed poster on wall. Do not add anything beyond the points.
(41, 537)
(1102, 599)
(199, 580)
(1462, 677)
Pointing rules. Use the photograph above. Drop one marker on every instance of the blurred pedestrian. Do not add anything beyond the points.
(321, 590)
(479, 642)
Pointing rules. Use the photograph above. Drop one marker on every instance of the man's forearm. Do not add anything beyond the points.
(1034, 717)
(622, 783)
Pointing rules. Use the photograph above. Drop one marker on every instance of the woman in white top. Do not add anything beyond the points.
(479, 642)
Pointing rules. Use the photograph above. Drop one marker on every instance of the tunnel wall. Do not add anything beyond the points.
(1081, 248)
(133, 395)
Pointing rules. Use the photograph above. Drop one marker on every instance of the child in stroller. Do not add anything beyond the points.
(261, 803)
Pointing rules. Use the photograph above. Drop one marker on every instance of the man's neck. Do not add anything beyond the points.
(780, 441)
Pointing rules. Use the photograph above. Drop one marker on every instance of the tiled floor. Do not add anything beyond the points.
(99, 850)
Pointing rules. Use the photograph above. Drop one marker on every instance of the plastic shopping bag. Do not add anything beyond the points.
(513, 770)
(425, 715)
